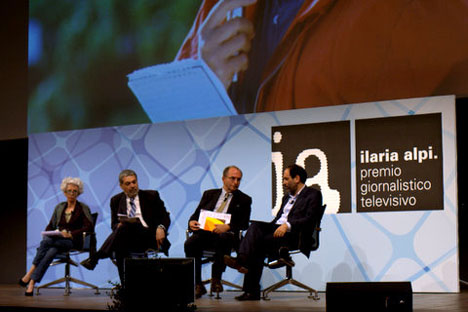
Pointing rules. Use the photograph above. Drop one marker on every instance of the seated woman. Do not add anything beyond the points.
(70, 219)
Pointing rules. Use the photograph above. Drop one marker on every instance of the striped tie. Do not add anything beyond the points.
(132, 208)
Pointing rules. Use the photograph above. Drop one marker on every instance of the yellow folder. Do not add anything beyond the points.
(211, 222)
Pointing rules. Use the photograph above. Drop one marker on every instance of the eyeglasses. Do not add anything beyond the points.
(71, 191)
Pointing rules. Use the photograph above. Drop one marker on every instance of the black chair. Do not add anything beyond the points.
(208, 257)
(89, 245)
(313, 294)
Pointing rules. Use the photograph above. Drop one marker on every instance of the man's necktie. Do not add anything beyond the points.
(132, 208)
(223, 204)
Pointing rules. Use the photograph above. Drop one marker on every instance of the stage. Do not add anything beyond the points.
(12, 299)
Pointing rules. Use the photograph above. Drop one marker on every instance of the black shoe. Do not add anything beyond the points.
(29, 293)
(234, 264)
(247, 297)
(89, 263)
(21, 283)
(200, 290)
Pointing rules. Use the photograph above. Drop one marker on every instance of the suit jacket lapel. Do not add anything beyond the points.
(280, 212)
(141, 199)
(123, 204)
(214, 200)
(233, 203)
(297, 203)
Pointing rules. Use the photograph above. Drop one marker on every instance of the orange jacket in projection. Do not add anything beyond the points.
(351, 51)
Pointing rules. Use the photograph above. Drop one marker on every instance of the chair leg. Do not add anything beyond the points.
(313, 294)
(274, 287)
(208, 281)
(67, 279)
(231, 284)
(58, 281)
(77, 281)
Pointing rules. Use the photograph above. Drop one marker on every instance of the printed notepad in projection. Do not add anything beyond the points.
(180, 90)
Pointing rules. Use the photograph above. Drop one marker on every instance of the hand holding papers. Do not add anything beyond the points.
(186, 89)
(209, 219)
(51, 233)
(125, 218)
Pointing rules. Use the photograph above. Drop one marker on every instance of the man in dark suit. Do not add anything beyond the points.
(290, 229)
(229, 199)
(139, 221)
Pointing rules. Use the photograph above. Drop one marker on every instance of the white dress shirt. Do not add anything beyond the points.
(287, 208)
(138, 215)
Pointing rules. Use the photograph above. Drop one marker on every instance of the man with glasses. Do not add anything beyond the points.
(139, 222)
(228, 199)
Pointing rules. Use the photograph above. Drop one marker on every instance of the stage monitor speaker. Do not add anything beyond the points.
(166, 283)
(369, 296)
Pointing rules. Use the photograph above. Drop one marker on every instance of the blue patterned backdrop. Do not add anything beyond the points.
(182, 159)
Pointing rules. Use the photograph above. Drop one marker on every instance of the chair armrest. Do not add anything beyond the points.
(89, 242)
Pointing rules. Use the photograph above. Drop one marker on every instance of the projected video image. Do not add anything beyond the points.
(80, 53)
(105, 63)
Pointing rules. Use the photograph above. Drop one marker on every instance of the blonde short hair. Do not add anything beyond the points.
(74, 181)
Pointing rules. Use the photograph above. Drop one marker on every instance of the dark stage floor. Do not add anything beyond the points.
(12, 299)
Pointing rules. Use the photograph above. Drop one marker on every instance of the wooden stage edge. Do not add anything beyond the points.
(12, 299)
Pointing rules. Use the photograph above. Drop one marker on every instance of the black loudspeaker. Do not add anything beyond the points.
(159, 284)
(369, 296)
